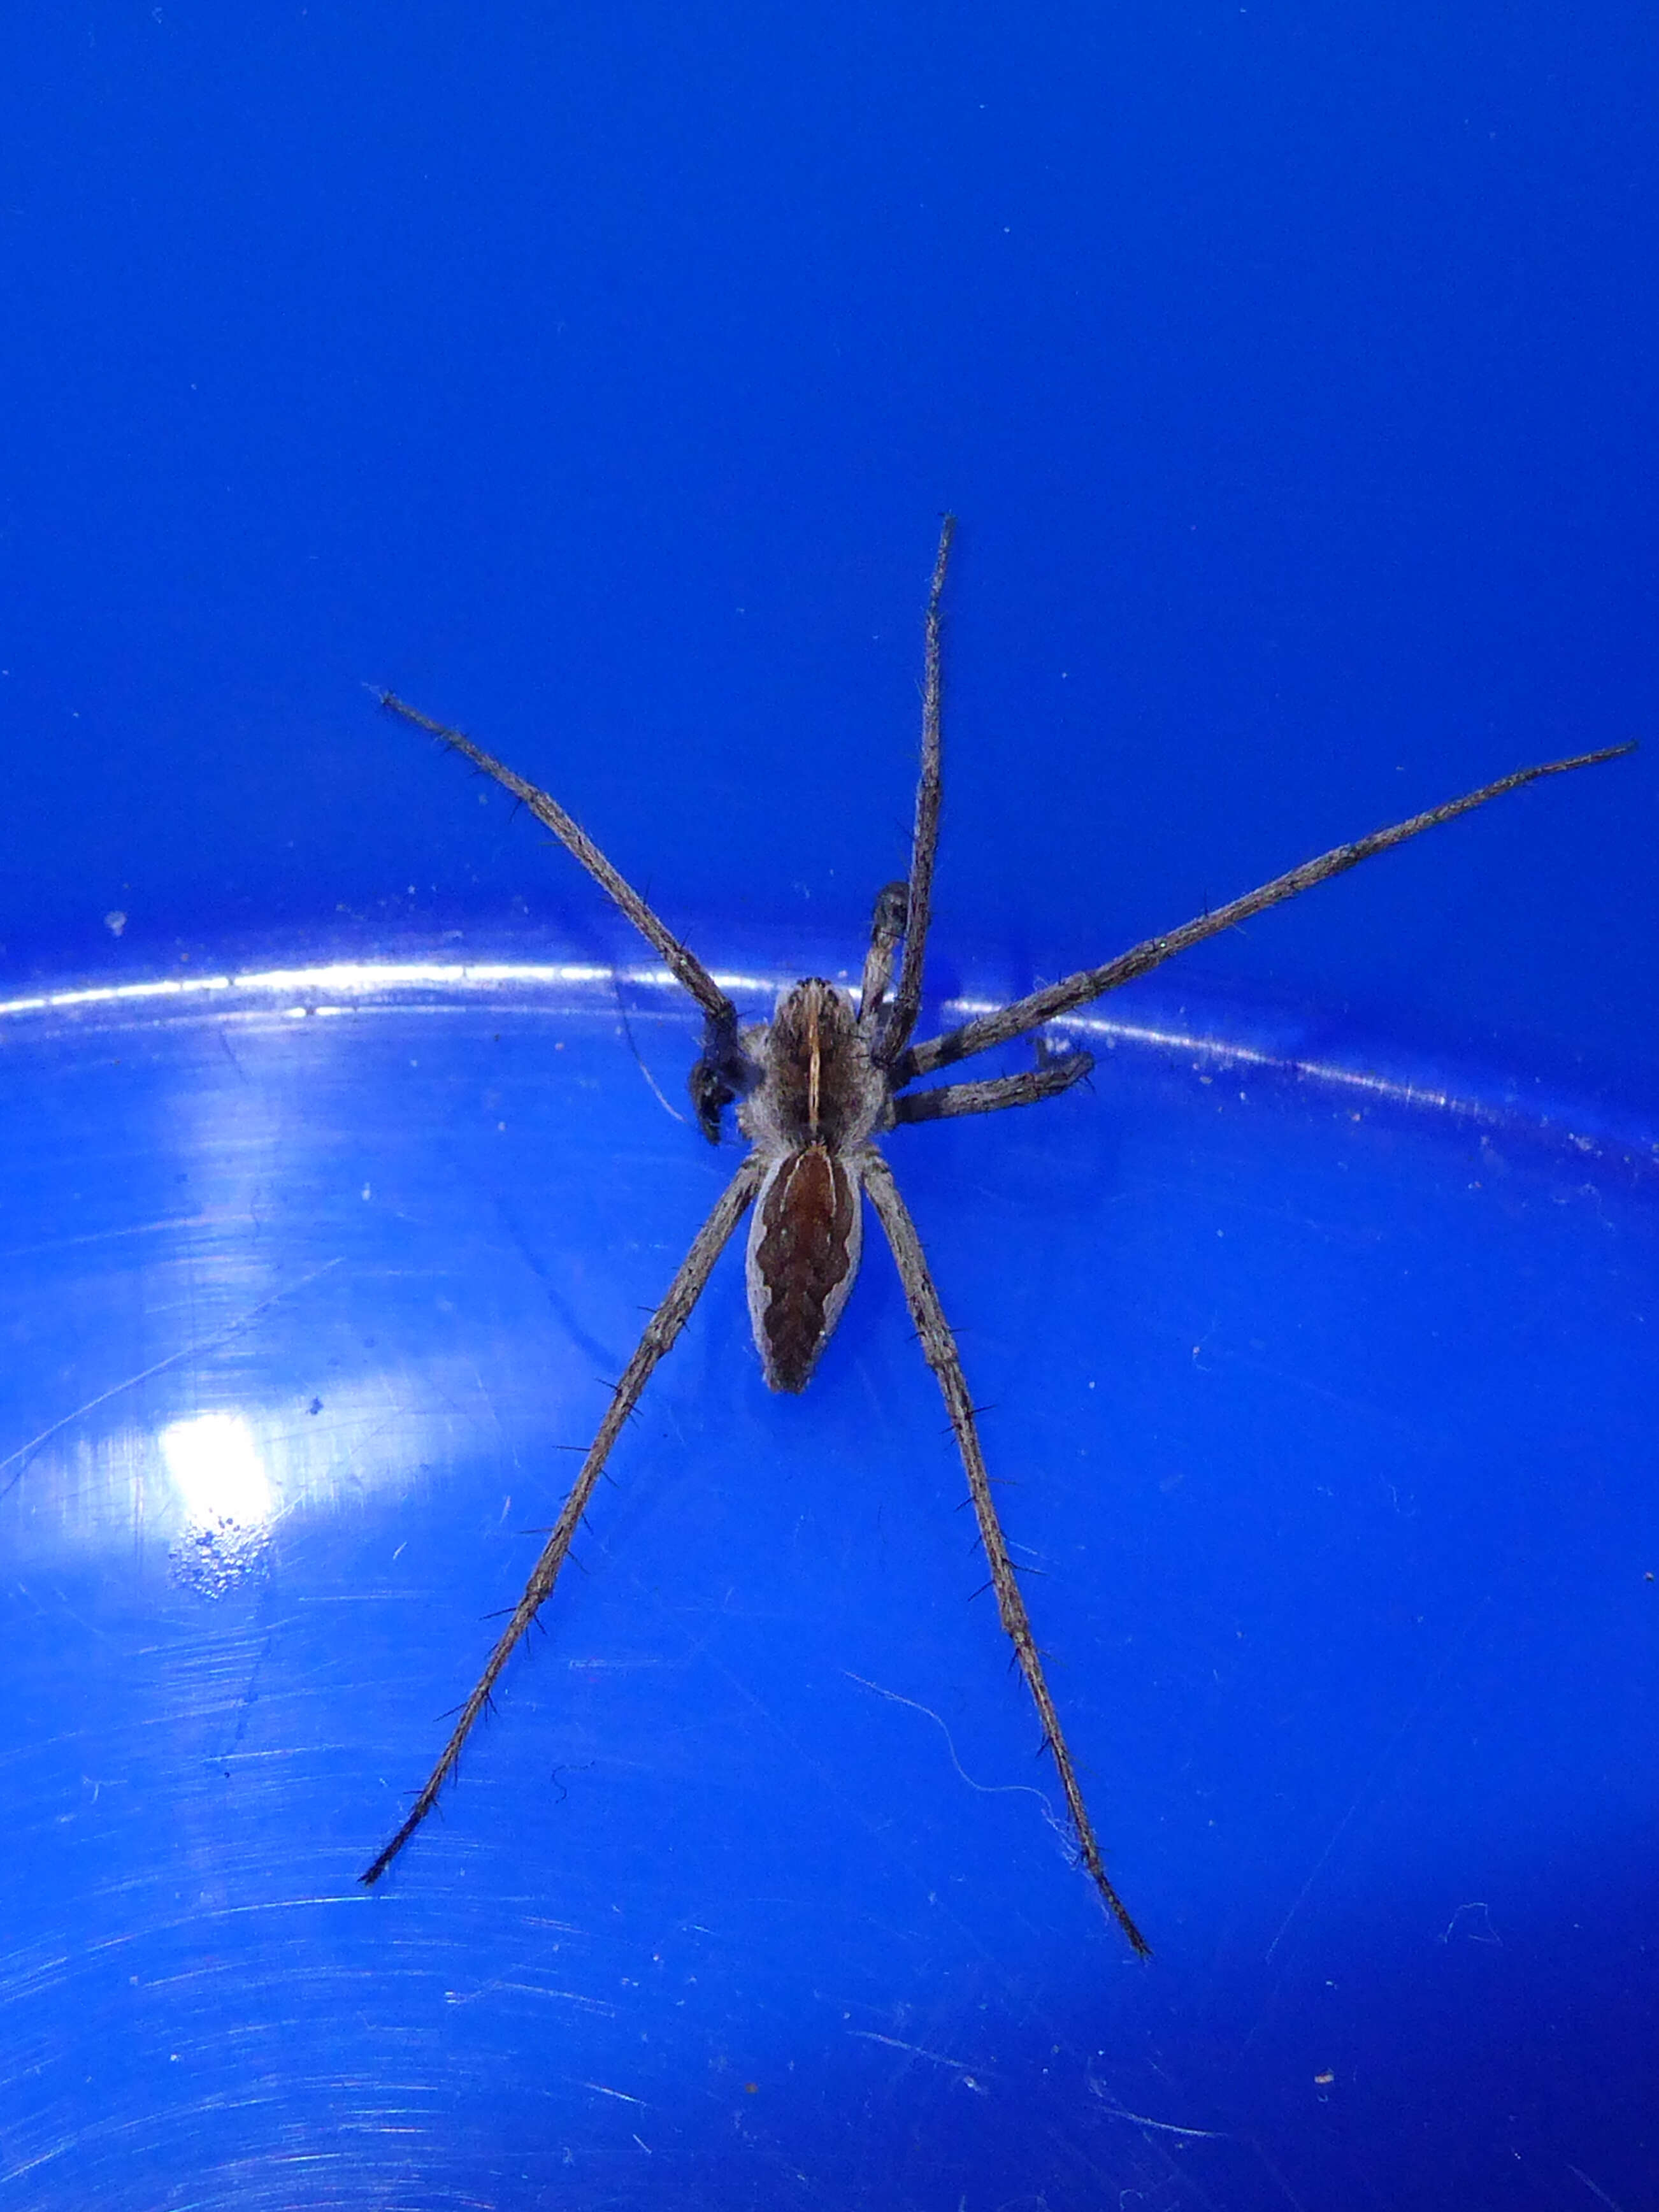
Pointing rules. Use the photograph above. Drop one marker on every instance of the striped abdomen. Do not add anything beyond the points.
(803, 1241)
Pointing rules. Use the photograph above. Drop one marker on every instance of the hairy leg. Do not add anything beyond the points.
(1029, 1089)
(663, 1325)
(682, 963)
(940, 1347)
(924, 843)
(1061, 998)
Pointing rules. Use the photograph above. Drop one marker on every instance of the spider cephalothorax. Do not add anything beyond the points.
(818, 1098)
(814, 1087)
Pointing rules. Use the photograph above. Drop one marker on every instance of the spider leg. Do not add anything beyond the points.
(682, 964)
(939, 1345)
(1056, 999)
(1027, 1089)
(660, 1331)
(901, 1018)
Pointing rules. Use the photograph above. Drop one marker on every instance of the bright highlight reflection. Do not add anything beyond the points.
(353, 986)
(216, 1470)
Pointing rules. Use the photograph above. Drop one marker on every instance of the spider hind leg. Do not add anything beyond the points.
(940, 1349)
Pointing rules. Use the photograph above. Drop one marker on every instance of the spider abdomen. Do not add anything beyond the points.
(803, 1241)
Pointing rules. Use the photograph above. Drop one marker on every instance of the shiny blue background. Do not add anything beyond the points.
(597, 378)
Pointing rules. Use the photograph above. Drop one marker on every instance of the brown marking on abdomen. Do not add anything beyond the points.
(803, 1253)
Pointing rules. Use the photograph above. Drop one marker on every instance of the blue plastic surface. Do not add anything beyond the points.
(598, 379)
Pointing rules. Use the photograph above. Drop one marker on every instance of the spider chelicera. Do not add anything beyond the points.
(814, 1088)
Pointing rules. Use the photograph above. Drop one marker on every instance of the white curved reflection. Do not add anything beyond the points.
(341, 986)
(354, 980)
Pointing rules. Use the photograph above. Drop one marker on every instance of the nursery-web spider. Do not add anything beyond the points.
(814, 1088)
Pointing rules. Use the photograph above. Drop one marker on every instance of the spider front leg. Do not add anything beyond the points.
(660, 1331)
(901, 1015)
(1054, 1000)
(940, 1347)
(681, 962)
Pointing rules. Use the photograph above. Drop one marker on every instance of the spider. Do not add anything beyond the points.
(814, 1088)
